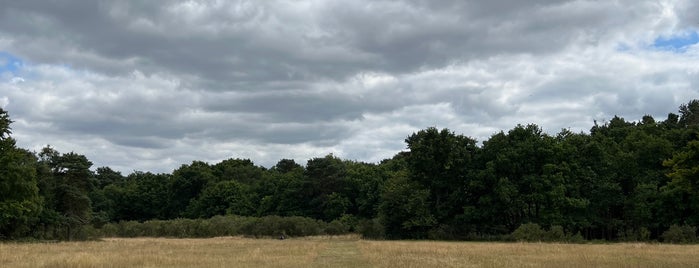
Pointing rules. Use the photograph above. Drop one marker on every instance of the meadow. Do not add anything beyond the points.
(338, 251)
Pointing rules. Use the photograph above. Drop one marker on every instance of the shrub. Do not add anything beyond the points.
(269, 226)
(336, 227)
(577, 238)
(555, 233)
(372, 229)
(109, 230)
(640, 234)
(442, 232)
(680, 234)
(528, 232)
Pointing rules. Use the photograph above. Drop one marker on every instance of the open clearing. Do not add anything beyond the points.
(343, 251)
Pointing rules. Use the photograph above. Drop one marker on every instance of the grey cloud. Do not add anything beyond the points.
(151, 85)
(241, 42)
(688, 12)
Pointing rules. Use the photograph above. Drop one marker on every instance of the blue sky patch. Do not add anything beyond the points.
(9, 63)
(677, 43)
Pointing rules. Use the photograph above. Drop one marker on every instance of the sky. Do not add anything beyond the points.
(152, 85)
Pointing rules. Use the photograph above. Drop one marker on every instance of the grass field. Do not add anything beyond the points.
(345, 251)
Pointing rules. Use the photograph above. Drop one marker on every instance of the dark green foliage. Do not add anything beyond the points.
(404, 211)
(640, 234)
(371, 229)
(441, 162)
(680, 196)
(532, 232)
(689, 113)
(20, 203)
(65, 183)
(326, 188)
(624, 181)
(680, 234)
(269, 226)
(336, 227)
(226, 197)
(140, 196)
(529, 232)
(187, 183)
(240, 170)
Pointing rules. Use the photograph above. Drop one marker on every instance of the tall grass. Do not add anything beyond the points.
(486, 254)
(338, 251)
(162, 252)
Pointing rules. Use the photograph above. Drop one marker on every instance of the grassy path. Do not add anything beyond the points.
(341, 254)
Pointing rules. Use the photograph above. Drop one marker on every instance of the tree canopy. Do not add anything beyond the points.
(623, 180)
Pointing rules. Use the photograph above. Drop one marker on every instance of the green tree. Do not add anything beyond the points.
(140, 196)
(187, 183)
(442, 163)
(284, 192)
(105, 176)
(240, 170)
(366, 181)
(326, 177)
(226, 197)
(66, 183)
(404, 210)
(681, 194)
(689, 113)
(527, 178)
(20, 202)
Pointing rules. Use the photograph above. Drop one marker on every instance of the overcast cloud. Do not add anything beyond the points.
(150, 86)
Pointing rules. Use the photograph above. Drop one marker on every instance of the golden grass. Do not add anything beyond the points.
(477, 254)
(161, 252)
(344, 251)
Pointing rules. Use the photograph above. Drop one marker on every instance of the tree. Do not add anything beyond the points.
(140, 196)
(72, 181)
(105, 176)
(442, 162)
(5, 123)
(404, 210)
(326, 182)
(527, 181)
(187, 183)
(285, 192)
(240, 170)
(681, 194)
(20, 202)
(226, 197)
(286, 166)
(689, 113)
(366, 181)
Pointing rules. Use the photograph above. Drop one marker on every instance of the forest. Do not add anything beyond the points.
(621, 181)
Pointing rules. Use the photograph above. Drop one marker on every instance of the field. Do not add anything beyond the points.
(344, 251)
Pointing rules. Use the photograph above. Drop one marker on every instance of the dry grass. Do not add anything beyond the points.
(345, 251)
(161, 252)
(475, 254)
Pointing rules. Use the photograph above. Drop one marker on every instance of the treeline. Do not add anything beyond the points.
(624, 180)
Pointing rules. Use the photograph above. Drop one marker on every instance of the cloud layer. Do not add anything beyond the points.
(151, 86)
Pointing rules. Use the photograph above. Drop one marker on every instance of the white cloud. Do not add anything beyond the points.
(150, 86)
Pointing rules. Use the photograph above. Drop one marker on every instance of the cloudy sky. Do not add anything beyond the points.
(151, 85)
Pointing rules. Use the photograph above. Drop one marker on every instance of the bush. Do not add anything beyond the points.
(577, 238)
(680, 234)
(350, 221)
(269, 226)
(640, 234)
(336, 227)
(555, 234)
(528, 232)
(442, 232)
(372, 229)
